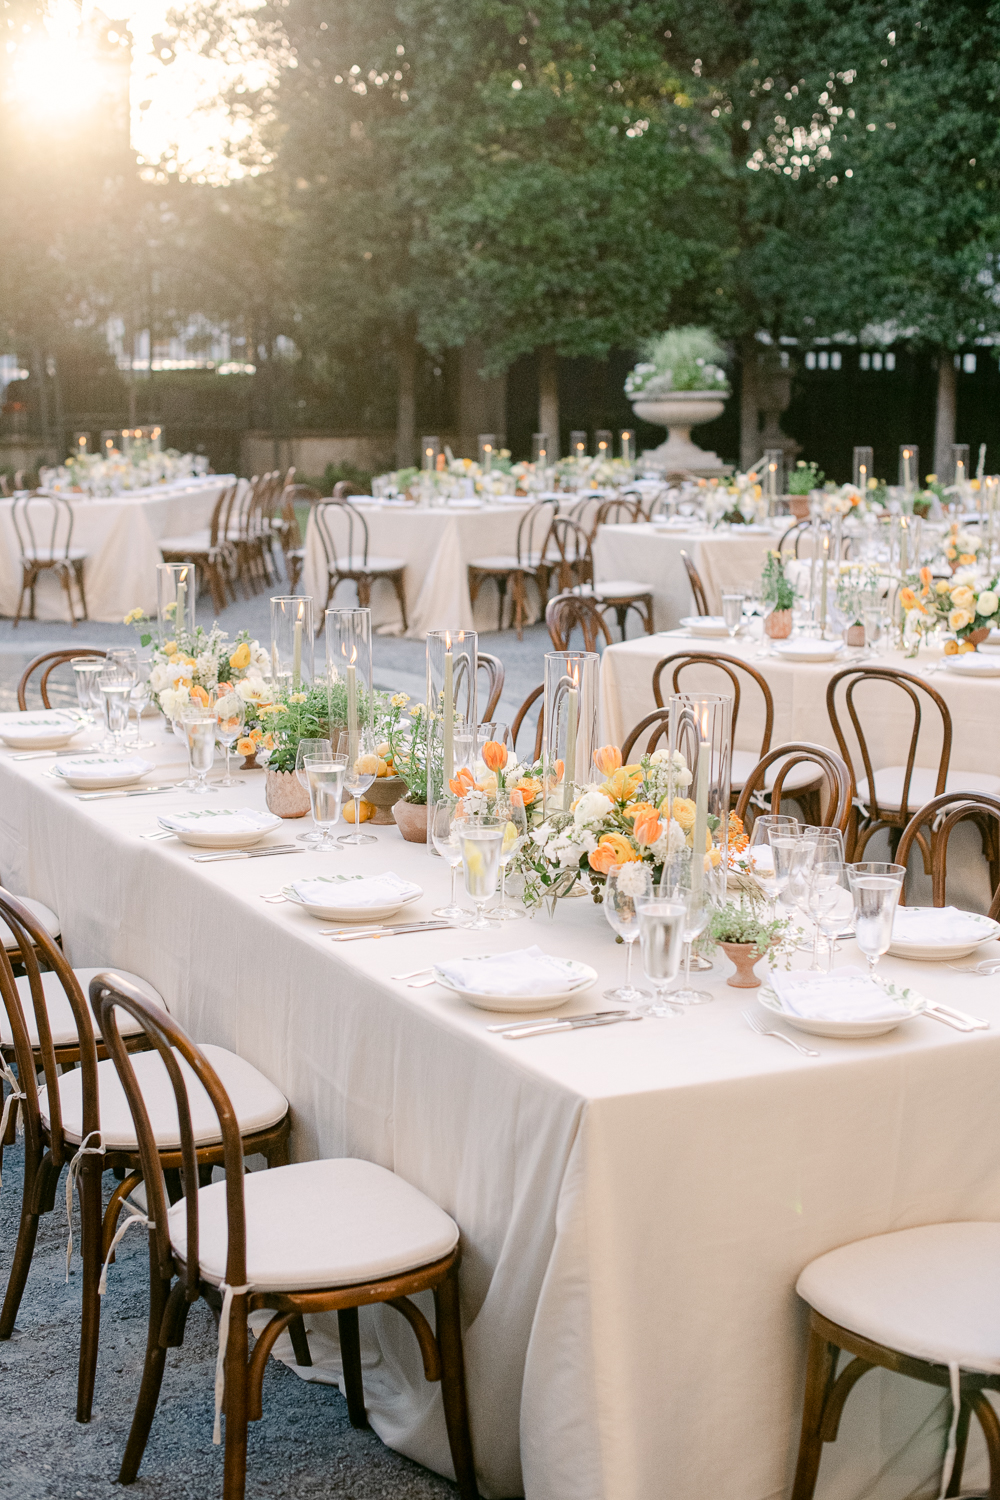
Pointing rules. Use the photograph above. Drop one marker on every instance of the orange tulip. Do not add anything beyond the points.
(463, 782)
(529, 788)
(647, 827)
(200, 696)
(613, 849)
(623, 784)
(926, 576)
(907, 598)
(607, 759)
(634, 810)
(495, 755)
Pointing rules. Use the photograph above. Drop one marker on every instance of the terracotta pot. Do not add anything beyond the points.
(978, 636)
(798, 506)
(854, 635)
(285, 794)
(411, 820)
(744, 956)
(383, 794)
(250, 763)
(778, 624)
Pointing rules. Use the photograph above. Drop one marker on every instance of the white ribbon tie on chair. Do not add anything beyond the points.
(134, 1216)
(228, 1293)
(71, 1176)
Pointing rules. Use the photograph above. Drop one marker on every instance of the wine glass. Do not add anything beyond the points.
(86, 670)
(322, 750)
(806, 883)
(140, 696)
(362, 768)
(759, 854)
(481, 839)
(875, 887)
(230, 714)
(732, 610)
(661, 938)
(624, 886)
(830, 905)
(793, 858)
(326, 790)
(678, 885)
(446, 820)
(115, 684)
(177, 725)
(512, 809)
(199, 730)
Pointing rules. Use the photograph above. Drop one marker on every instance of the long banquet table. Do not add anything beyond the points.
(436, 544)
(120, 534)
(635, 1203)
(644, 552)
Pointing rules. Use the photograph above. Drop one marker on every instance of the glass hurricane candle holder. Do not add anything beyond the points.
(487, 450)
(578, 444)
(959, 475)
(628, 445)
(292, 651)
(604, 444)
(349, 661)
(176, 591)
(772, 473)
(429, 448)
(570, 709)
(452, 658)
(909, 466)
(540, 449)
(699, 775)
(864, 458)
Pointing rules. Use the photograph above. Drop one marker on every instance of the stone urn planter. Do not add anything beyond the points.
(744, 956)
(383, 794)
(778, 624)
(411, 820)
(854, 635)
(286, 796)
(678, 412)
(798, 506)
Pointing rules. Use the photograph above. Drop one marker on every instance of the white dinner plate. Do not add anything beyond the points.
(518, 1003)
(847, 1030)
(805, 649)
(204, 838)
(944, 952)
(49, 729)
(330, 911)
(713, 625)
(971, 664)
(97, 772)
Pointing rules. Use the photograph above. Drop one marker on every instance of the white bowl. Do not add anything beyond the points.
(204, 838)
(971, 664)
(331, 912)
(47, 730)
(944, 952)
(805, 649)
(709, 625)
(845, 1030)
(97, 772)
(521, 1003)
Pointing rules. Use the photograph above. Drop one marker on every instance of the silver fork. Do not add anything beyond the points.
(756, 1024)
(984, 969)
(275, 897)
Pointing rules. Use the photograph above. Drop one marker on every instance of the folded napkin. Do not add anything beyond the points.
(39, 729)
(523, 972)
(848, 994)
(100, 767)
(936, 924)
(244, 820)
(375, 890)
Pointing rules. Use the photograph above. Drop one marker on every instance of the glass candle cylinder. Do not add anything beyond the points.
(604, 444)
(540, 449)
(628, 445)
(429, 447)
(349, 661)
(81, 443)
(109, 442)
(773, 476)
(452, 658)
(176, 591)
(570, 705)
(578, 444)
(700, 773)
(909, 466)
(292, 657)
(863, 460)
(959, 475)
(487, 450)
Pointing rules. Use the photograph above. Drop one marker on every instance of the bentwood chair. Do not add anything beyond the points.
(887, 797)
(50, 660)
(567, 611)
(658, 724)
(80, 1119)
(214, 555)
(943, 813)
(343, 532)
(697, 587)
(522, 714)
(43, 525)
(786, 758)
(494, 670)
(530, 559)
(318, 1236)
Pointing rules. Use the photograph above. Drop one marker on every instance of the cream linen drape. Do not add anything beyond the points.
(642, 554)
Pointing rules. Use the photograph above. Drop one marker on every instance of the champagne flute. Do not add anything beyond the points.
(446, 821)
(177, 725)
(828, 857)
(875, 887)
(481, 839)
(362, 768)
(661, 937)
(759, 854)
(515, 832)
(140, 696)
(697, 902)
(326, 791)
(199, 729)
(230, 714)
(323, 750)
(624, 886)
(732, 610)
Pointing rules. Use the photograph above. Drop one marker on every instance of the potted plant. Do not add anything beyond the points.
(779, 593)
(745, 936)
(389, 786)
(679, 383)
(291, 718)
(407, 740)
(802, 480)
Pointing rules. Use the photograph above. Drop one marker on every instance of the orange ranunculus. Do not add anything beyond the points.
(560, 770)
(647, 827)
(636, 808)
(623, 785)
(529, 788)
(907, 598)
(246, 746)
(495, 755)
(607, 759)
(256, 736)
(613, 849)
(199, 695)
(966, 558)
(926, 577)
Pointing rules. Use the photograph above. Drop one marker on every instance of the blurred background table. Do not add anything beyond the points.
(650, 553)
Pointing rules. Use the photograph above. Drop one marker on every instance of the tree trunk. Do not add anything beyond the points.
(749, 412)
(548, 398)
(406, 400)
(947, 407)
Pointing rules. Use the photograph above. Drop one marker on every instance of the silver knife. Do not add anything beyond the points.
(208, 859)
(593, 1015)
(139, 791)
(574, 1025)
(346, 935)
(48, 754)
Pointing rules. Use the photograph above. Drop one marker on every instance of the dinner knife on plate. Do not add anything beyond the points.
(576, 1023)
(48, 754)
(209, 859)
(137, 791)
(593, 1015)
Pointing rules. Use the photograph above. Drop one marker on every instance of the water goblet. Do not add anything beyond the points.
(323, 750)
(512, 809)
(199, 730)
(624, 887)
(830, 906)
(732, 610)
(115, 685)
(177, 726)
(759, 855)
(86, 670)
(481, 838)
(230, 714)
(447, 817)
(875, 887)
(326, 791)
(362, 768)
(661, 938)
(677, 883)
(793, 857)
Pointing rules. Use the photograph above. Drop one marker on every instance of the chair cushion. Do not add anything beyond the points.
(806, 773)
(889, 785)
(925, 1292)
(320, 1224)
(43, 914)
(200, 542)
(508, 563)
(620, 589)
(61, 1023)
(46, 555)
(356, 563)
(255, 1099)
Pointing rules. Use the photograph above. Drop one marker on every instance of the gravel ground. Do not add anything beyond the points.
(303, 1448)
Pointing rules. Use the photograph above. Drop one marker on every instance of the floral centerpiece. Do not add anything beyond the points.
(682, 359)
(961, 547)
(142, 467)
(777, 590)
(858, 585)
(804, 478)
(959, 604)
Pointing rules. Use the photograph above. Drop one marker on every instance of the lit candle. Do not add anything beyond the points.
(822, 602)
(698, 836)
(352, 698)
(862, 476)
(906, 468)
(181, 602)
(297, 652)
(449, 712)
(572, 712)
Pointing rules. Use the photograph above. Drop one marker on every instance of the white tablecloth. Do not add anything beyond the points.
(437, 546)
(120, 535)
(644, 553)
(635, 1202)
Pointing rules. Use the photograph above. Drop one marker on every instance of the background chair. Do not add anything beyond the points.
(567, 611)
(836, 772)
(494, 670)
(210, 550)
(343, 532)
(43, 525)
(697, 587)
(54, 660)
(512, 570)
(522, 714)
(942, 814)
(658, 723)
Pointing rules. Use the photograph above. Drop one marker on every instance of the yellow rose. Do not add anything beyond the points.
(683, 812)
(170, 647)
(959, 618)
(240, 657)
(941, 587)
(962, 597)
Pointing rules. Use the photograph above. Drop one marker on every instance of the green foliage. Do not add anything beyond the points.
(804, 478)
(774, 586)
(741, 922)
(682, 359)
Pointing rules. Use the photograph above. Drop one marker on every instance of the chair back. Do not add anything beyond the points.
(533, 533)
(522, 714)
(732, 666)
(912, 690)
(494, 669)
(620, 510)
(345, 487)
(109, 991)
(569, 554)
(33, 940)
(344, 534)
(566, 611)
(836, 771)
(220, 515)
(240, 510)
(44, 527)
(791, 538)
(943, 813)
(697, 587)
(5, 487)
(658, 724)
(291, 533)
(585, 513)
(54, 659)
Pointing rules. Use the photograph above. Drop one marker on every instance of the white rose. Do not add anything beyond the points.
(591, 807)
(632, 879)
(160, 677)
(259, 658)
(229, 704)
(987, 603)
(172, 700)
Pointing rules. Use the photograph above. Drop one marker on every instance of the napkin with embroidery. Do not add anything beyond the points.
(374, 890)
(244, 820)
(938, 924)
(526, 971)
(848, 994)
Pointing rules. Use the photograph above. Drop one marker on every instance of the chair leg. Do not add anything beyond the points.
(990, 1424)
(90, 1320)
(501, 600)
(350, 1358)
(961, 1443)
(79, 583)
(364, 591)
(456, 1409)
(237, 1380)
(300, 1341)
(152, 1374)
(820, 1369)
(23, 1251)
